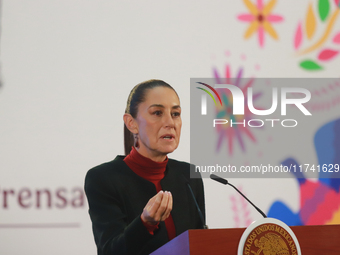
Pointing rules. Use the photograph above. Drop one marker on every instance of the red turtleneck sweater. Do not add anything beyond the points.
(153, 172)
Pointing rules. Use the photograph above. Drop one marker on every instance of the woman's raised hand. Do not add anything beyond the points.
(158, 208)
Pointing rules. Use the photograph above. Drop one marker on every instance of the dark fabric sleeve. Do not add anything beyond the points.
(113, 234)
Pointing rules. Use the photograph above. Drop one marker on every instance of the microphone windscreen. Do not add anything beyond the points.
(219, 179)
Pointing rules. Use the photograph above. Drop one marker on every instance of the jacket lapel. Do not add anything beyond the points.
(181, 210)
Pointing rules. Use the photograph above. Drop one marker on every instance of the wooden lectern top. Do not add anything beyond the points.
(313, 240)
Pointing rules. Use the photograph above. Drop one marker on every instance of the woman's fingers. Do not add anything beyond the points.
(162, 207)
(158, 208)
(151, 208)
(155, 202)
(167, 212)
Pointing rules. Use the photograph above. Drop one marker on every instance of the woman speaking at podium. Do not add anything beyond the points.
(140, 201)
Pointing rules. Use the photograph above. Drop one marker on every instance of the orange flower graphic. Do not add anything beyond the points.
(260, 19)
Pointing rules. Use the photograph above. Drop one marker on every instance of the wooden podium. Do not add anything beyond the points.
(314, 240)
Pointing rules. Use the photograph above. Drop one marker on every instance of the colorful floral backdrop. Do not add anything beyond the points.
(68, 66)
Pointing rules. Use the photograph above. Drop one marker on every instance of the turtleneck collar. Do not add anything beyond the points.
(145, 167)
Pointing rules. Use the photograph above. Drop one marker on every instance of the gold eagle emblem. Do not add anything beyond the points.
(271, 244)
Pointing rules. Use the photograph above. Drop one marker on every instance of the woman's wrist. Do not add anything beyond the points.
(145, 222)
(150, 227)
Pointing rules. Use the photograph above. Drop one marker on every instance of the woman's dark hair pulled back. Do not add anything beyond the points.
(137, 96)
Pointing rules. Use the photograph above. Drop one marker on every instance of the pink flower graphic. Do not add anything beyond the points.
(236, 133)
(260, 19)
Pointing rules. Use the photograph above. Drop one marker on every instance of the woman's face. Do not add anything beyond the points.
(159, 123)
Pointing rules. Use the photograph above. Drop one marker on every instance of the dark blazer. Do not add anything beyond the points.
(117, 197)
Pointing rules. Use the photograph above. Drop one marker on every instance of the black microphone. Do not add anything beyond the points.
(225, 182)
(198, 208)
